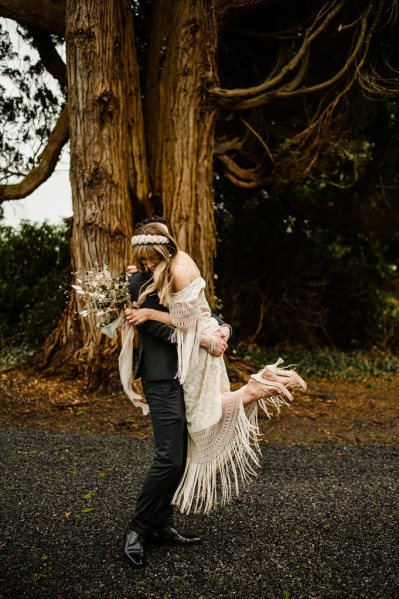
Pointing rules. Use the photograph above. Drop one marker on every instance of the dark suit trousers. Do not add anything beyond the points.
(154, 510)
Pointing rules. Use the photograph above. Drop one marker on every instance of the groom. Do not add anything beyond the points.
(152, 521)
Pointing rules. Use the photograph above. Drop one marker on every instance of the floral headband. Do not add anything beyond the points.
(145, 239)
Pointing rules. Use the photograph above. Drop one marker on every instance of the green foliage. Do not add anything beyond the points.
(311, 257)
(15, 351)
(298, 262)
(30, 101)
(327, 363)
(284, 280)
(34, 267)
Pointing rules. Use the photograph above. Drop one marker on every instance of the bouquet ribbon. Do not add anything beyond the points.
(125, 360)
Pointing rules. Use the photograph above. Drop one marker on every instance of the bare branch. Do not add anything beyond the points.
(262, 311)
(284, 93)
(49, 158)
(221, 147)
(259, 138)
(47, 15)
(50, 58)
(240, 183)
(242, 177)
(374, 84)
(247, 174)
(294, 83)
(271, 82)
(225, 9)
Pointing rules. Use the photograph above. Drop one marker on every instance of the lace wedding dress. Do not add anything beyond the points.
(223, 435)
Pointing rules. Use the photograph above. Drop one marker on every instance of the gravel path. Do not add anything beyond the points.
(319, 522)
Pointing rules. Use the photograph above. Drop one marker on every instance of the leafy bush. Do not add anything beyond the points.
(34, 269)
(284, 281)
(327, 363)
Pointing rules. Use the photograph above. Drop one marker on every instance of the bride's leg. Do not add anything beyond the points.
(263, 387)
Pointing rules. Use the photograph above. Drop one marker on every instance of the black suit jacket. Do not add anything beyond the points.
(157, 355)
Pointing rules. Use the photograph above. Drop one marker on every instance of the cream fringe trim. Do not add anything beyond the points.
(188, 344)
(222, 456)
(276, 402)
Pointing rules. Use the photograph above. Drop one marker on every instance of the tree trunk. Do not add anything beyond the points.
(108, 168)
(179, 120)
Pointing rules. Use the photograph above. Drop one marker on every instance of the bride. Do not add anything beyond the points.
(222, 424)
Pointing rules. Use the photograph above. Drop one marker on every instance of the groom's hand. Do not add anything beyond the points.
(225, 332)
(130, 270)
(214, 344)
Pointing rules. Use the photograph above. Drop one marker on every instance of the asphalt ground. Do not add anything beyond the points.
(318, 522)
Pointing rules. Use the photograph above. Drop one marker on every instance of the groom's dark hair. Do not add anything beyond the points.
(151, 219)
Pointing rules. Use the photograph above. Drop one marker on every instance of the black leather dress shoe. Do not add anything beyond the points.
(134, 549)
(170, 536)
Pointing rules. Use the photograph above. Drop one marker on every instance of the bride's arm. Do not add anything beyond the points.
(139, 315)
(214, 344)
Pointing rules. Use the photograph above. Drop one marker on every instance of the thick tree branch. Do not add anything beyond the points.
(244, 177)
(234, 94)
(240, 183)
(49, 56)
(297, 80)
(227, 9)
(221, 147)
(250, 174)
(273, 95)
(47, 15)
(48, 160)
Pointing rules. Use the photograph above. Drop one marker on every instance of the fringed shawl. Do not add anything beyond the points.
(223, 436)
(186, 317)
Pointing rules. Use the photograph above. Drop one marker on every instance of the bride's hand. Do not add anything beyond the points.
(129, 314)
(137, 316)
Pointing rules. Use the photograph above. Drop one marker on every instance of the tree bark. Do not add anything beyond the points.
(108, 169)
(180, 123)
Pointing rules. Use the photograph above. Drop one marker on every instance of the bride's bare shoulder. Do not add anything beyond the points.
(185, 259)
(184, 272)
(182, 277)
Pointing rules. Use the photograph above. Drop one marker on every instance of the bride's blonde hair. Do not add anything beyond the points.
(151, 249)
